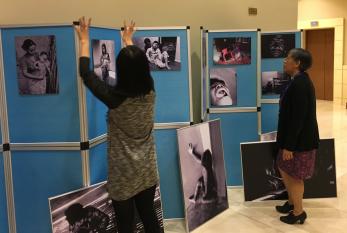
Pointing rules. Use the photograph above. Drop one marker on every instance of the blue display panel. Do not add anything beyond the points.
(276, 64)
(236, 128)
(269, 117)
(270, 111)
(43, 118)
(172, 87)
(169, 172)
(98, 163)
(38, 176)
(96, 110)
(246, 80)
(3, 203)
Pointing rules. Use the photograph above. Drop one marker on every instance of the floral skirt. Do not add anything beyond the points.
(301, 166)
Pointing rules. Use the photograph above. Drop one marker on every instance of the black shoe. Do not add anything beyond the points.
(285, 209)
(292, 219)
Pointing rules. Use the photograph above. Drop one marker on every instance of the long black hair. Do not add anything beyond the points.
(133, 73)
(104, 48)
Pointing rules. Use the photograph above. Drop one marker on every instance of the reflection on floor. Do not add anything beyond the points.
(325, 215)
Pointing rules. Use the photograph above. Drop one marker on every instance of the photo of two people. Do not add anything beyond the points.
(163, 53)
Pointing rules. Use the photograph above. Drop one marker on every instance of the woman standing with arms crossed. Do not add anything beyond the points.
(132, 163)
(298, 136)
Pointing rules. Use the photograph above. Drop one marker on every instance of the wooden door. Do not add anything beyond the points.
(321, 45)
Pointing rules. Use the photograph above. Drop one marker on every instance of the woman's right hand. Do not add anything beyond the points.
(83, 29)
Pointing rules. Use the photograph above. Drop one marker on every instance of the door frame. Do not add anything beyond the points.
(338, 25)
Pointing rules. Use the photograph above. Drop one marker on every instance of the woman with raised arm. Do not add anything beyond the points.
(132, 162)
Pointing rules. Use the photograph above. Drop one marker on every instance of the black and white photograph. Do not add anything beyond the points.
(232, 51)
(262, 180)
(163, 53)
(104, 60)
(202, 172)
(270, 136)
(223, 87)
(274, 82)
(277, 45)
(37, 69)
(90, 210)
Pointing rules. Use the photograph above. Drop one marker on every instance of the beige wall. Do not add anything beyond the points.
(327, 13)
(217, 14)
(324, 9)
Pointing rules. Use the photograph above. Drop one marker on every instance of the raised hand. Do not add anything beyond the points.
(83, 34)
(128, 32)
(83, 29)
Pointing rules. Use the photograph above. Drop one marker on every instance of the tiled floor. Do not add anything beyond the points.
(325, 215)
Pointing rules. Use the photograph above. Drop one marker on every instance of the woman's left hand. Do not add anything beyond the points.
(83, 34)
(128, 32)
(83, 29)
(287, 155)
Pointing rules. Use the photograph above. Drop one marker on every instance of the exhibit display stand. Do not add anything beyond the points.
(275, 46)
(232, 91)
(54, 133)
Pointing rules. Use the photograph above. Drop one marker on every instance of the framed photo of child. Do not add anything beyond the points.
(163, 53)
(37, 70)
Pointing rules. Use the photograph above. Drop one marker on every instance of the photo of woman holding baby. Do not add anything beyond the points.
(36, 65)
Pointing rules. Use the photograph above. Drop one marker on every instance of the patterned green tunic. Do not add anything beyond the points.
(132, 161)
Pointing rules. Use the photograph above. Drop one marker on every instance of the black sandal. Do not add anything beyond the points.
(285, 209)
(292, 219)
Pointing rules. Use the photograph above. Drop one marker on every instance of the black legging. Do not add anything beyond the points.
(144, 202)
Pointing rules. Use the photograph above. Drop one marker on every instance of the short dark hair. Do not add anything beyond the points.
(74, 213)
(156, 42)
(43, 53)
(133, 73)
(27, 44)
(303, 56)
(214, 81)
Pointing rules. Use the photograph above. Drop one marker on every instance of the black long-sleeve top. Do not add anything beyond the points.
(297, 124)
(105, 93)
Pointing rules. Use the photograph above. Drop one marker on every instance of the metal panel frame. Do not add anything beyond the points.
(259, 92)
(173, 125)
(270, 101)
(279, 32)
(204, 33)
(202, 115)
(62, 146)
(161, 28)
(35, 25)
(191, 112)
(208, 77)
(98, 140)
(6, 154)
(233, 110)
(234, 30)
(83, 118)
